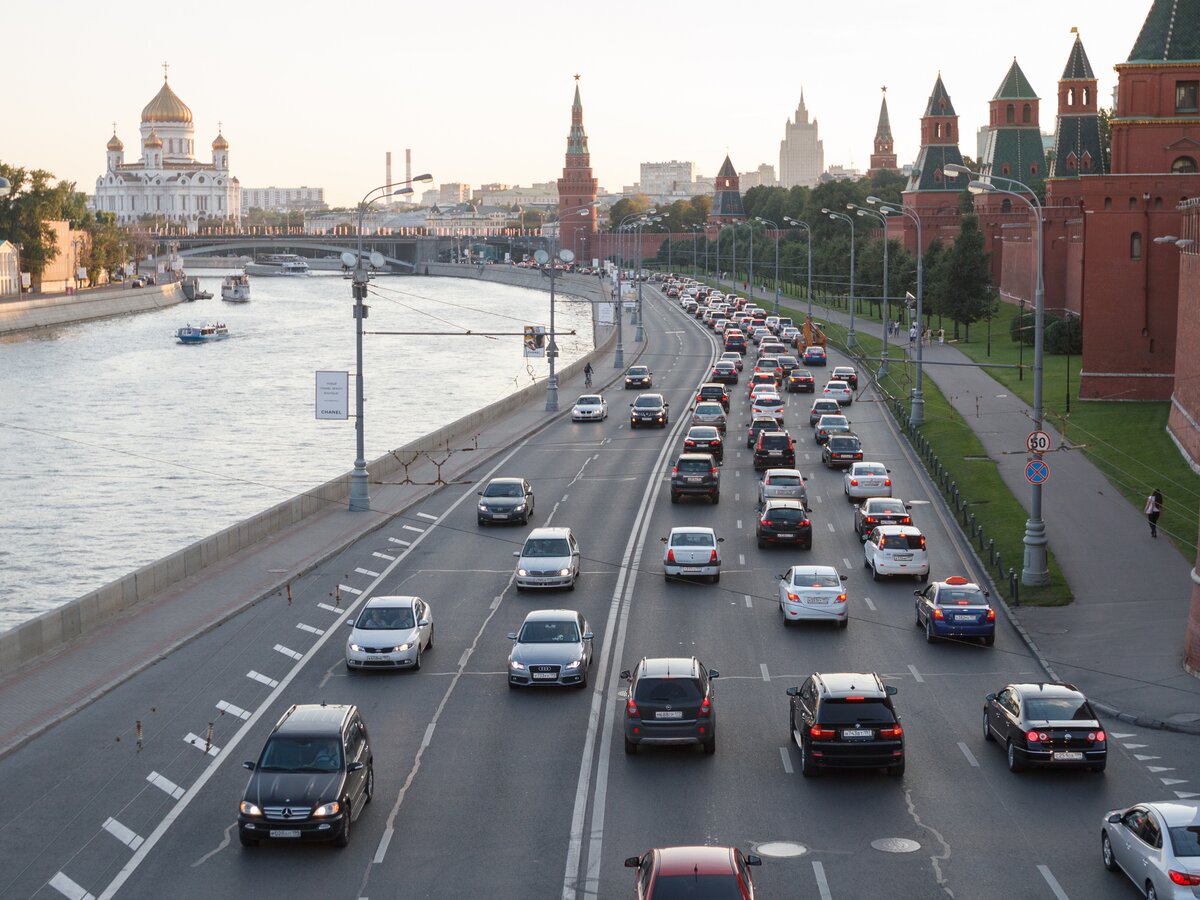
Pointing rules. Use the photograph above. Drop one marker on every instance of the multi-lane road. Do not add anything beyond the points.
(483, 792)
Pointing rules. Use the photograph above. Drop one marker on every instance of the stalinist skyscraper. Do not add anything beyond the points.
(801, 154)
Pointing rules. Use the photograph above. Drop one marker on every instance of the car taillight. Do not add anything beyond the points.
(714, 471)
(792, 597)
(922, 542)
(907, 520)
(631, 709)
(1096, 736)
(869, 520)
(670, 556)
(1183, 878)
(689, 443)
(991, 616)
(817, 733)
(858, 456)
(769, 523)
(705, 707)
(674, 471)
(712, 557)
(937, 614)
(853, 482)
(894, 732)
(1034, 736)
(841, 598)
(887, 482)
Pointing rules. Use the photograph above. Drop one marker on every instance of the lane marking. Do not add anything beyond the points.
(916, 675)
(829, 525)
(400, 542)
(819, 499)
(69, 888)
(787, 760)
(462, 660)
(428, 738)
(846, 560)
(1059, 893)
(413, 528)
(1134, 746)
(198, 742)
(331, 608)
(362, 571)
(163, 783)
(287, 651)
(425, 515)
(741, 559)
(1170, 781)
(737, 496)
(870, 604)
(262, 679)
(126, 836)
(233, 710)
(1120, 734)
(310, 629)
(969, 755)
(495, 602)
(739, 524)
(1185, 795)
(383, 556)
(1142, 757)
(349, 590)
(1160, 768)
(749, 603)
(766, 676)
(822, 881)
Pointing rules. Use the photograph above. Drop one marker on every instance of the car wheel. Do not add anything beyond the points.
(924, 579)
(630, 747)
(1014, 764)
(674, 497)
(930, 637)
(429, 643)
(716, 579)
(762, 544)
(989, 641)
(866, 562)
(897, 770)
(843, 623)
(417, 662)
(343, 837)
(525, 519)
(918, 615)
(711, 747)
(246, 841)
(874, 574)
(571, 586)
(520, 589)
(807, 767)
(1106, 852)
(1151, 891)
(987, 729)
(349, 668)
(369, 790)
(716, 498)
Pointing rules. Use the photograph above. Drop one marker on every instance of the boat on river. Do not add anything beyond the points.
(278, 264)
(236, 289)
(202, 334)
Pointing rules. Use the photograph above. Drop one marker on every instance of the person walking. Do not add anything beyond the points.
(1154, 505)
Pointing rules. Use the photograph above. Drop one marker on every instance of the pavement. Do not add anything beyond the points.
(1121, 640)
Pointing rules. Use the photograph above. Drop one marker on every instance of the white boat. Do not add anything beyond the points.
(236, 289)
(278, 264)
(201, 334)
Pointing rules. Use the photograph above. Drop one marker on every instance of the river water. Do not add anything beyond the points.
(119, 446)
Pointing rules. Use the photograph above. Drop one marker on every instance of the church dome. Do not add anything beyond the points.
(154, 140)
(166, 107)
(219, 143)
(114, 143)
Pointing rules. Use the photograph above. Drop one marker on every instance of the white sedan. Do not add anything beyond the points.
(390, 633)
(839, 391)
(768, 405)
(692, 550)
(588, 408)
(813, 592)
(867, 479)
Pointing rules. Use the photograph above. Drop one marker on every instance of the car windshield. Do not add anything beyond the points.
(703, 433)
(870, 470)
(768, 401)
(902, 542)
(509, 489)
(638, 371)
(693, 465)
(385, 618)
(962, 596)
(775, 441)
(784, 515)
(650, 402)
(709, 409)
(692, 539)
(802, 580)
(566, 632)
(667, 690)
(301, 754)
(842, 712)
(1185, 840)
(824, 406)
(834, 421)
(546, 547)
(1058, 709)
(843, 444)
(589, 400)
(788, 360)
(783, 480)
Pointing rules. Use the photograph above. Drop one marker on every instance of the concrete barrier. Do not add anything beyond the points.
(54, 628)
(45, 312)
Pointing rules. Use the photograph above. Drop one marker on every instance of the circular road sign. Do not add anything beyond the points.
(1038, 442)
(1036, 471)
(541, 257)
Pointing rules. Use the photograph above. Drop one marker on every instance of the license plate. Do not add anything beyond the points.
(376, 658)
(785, 535)
(499, 515)
(816, 601)
(774, 453)
(902, 557)
(669, 714)
(964, 618)
(694, 480)
(859, 733)
(691, 568)
(544, 676)
(1068, 755)
(284, 833)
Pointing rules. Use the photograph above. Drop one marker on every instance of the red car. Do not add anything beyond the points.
(714, 873)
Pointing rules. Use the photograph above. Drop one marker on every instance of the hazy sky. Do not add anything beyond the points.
(315, 93)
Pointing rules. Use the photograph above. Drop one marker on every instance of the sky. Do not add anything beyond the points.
(313, 94)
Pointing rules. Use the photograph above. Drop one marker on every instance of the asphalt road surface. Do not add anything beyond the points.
(486, 792)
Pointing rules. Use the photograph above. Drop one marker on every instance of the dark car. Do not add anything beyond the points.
(670, 702)
(757, 425)
(506, 500)
(789, 364)
(313, 778)
(1048, 724)
(800, 381)
(846, 721)
(638, 377)
(705, 439)
(774, 450)
(840, 450)
(955, 608)
(714, 392)
(846, 374)
(814, 356)
(784, 522)
(724, 372)
(735, 342)
(712, 873)
(649, 409)
(879, 511)
(823, 407)
(695, 475)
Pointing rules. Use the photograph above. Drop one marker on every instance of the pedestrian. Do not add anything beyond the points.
(1153, 510)
(912, 335)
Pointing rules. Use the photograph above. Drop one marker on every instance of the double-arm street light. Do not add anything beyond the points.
(775, 228)
(808, 230)
(698, 231)
(1036, 569)
(360, 494)
(639, 333)
(619, 356)
(850, 220)
(882, 219)
(552, 342)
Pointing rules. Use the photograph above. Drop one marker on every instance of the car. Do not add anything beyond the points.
(649, 409)
(724, 372)
(841, 450)
(879, 511)
(710, 414)
(590, 408)
(548, 559)
(1047, 724)
(896, 550)
(771, 347)
(692, 550)
(783, 522)
(846, 720)
(814, 356)
(822, 407)
(788, 363)
(758, 331)
(705, 439)
(719, 324)
(785, 322)
(774, 448)
(800, 381)
(638, 377)
(758, 424)
(867, 479)
(713, 391)
(769, 364)
(552, 649)
(505, 500)
(715, 873)
(1156, 845)
(782, 484)
(772, 322)
(389, 633)
(846, 374)
(768, 405)
(766, 389)
(761, 378)
(695, 475)
(734, 357)
(813, 592)
(839, 391)
(955, 608)
(830, 425)
(313, 778)
(735, 342)
(789, 334)
(670, 702)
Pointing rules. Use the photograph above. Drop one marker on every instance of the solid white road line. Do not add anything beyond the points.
(362, 571)
(125, 835)
(749, 602)
(739, 524)
(383, 556)
(198, 742)
(233, 710)
(349, 590)
(969, 755)
(916, 675)
(425, 515)
(870, 603)
(287, 651)
(262, 679)
(310, 629)
(69, 888)
(822, 881)
(766, 676)
(165, 784)
(786, 756)
(1059, 893)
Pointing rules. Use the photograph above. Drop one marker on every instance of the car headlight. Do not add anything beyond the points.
(355, 647)
(403, 648)
(249, 809)
(483, 507)
(513, 664)
(522, 572)
(574, 664)
(519, 507)
(327, 809)
(564, 571)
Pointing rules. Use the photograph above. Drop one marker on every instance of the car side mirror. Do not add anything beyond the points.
(662, 540)
(916, 593)
(248, 765)
(843, 577)
(889, 471)
(986, 592)
(423, 623)
(355, 766)
(631, 406)
(720, 540)
(633, 862)
(713, 673)
(512, 635)
(626, 675)
(990, 697)
(793, 692)
(587, 635)
(891, 690)
(1114, 819)
(752, 860)
(480, 493)
(516, 553)
(666, 405)
(908, 507)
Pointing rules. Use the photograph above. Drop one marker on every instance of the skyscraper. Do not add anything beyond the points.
(801, 153)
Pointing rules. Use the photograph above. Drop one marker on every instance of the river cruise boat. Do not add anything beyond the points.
(236, 289)
(278, 264)
(202, 334)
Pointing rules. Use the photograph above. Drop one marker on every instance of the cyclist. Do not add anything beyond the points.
(587, 375)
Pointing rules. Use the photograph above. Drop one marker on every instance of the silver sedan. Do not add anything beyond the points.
(1157, 845)
(553, 647)
(782, 484)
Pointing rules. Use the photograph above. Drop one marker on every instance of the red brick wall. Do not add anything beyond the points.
(1184, 422)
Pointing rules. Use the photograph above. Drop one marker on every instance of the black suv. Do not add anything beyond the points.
(774, 450)
(880, 511)
(840, 450)
(1047, 724)
(846, 720)
(715, 392)
(313, 778)
(638, 377)
(758, 425)
(649, 409)
(670, 702)
(695, 474)
(784, 522)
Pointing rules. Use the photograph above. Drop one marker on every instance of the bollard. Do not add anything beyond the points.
(991, 548)
(1014, 585)
(980, 537)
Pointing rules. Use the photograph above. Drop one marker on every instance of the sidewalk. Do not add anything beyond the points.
(1121, 641)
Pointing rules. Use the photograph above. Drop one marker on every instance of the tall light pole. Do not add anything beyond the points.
(619, 356)
(1036, 568)
(850, 221)
(861, 211)
(696, 229)
(776, 230)
(360, 494)
(808, 230)
(639, 333)
(568, 257)
(917, 413)
(750, 226)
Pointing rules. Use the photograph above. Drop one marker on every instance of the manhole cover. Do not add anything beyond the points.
(1185, 718)
(896, 845)
(781, 849)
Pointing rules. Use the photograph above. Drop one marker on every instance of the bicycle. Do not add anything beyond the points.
(587, 379)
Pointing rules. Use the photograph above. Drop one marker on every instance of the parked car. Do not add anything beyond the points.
(867, 479)
(704, 439)
(1047, 724)
(710, 414)
(692, 551)
(590, 408)
(553, 648)
(846, 720)
(839, 391)
(813, 592)
(783, 522)
(879, 511)
(782, 484)
(649, 409)
(1156, 845)
(774, 448)
(841, 450)
(505, 500)
(695, 475)
(390, 633)
(821, 407)
(549, 558)
(670, 702)
(896, 550)
(638, 377)
(673, 872)
(955, 608)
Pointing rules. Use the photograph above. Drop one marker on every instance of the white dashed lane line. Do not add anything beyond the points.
(367, 572)
(766, 676)
(425, 515)
(262, 679)
(749, 602)
(413, 528)
(741, 559)
(916, 675)
(310, 629)
(349, 590)
(198, 742)
(384, 556)
(829, 525)
(125, 835)
(287, 651)
(786, 756)
(870, 603)
(969, 755)
(69, 888)
(332, 609)
(233, 710)
(400, 542)
(822, 881)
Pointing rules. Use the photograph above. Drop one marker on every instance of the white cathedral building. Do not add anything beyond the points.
(167, 180)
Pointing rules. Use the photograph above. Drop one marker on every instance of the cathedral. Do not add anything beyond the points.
(167, 180)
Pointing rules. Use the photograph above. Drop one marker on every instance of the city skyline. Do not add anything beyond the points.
(500, 110)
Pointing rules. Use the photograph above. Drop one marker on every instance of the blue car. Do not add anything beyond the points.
(955, 608)
(814, 356)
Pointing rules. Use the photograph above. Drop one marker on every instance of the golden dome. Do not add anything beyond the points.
(166, 107)
(153, 140)
(114, 143)
(219, 143)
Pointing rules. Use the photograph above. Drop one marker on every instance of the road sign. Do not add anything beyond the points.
(1038, 442)
(1036, 471)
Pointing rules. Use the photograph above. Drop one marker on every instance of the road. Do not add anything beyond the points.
(486, 792)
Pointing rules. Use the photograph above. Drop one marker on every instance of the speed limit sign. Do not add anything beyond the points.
(1037, 442)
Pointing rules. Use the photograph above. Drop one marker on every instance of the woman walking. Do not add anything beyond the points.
(1154, 505)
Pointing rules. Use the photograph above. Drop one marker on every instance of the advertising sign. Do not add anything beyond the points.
(535, 341)
(605, 313)
(333, 395)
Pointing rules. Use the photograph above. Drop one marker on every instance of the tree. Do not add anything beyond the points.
(628, 206)
(26, 212)
(936, 299)
(967, 277)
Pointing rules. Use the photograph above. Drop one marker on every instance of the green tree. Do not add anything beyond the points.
(936, 300)
(967, 276)
(33, 202)
(1105, 117)
(628, 206)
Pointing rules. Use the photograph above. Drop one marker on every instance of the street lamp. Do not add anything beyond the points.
(850, 220)
(698, 230)
(917, 413)
(775, 228)
(568, 257)
(861, 211)
(1036, 568)
(360, 495)
(619, 356)
(639, 333)
(808, 230)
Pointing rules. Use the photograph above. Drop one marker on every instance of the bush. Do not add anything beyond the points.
(1021, 329)
(1064, 335)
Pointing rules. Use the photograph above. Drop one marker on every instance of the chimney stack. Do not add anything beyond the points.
(408, 165)
(388, 180)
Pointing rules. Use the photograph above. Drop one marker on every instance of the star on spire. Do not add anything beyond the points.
(576, 76)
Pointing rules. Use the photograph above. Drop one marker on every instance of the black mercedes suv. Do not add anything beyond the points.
(846, 720)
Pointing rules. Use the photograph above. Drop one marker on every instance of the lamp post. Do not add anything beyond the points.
(861, 211)
(360, 495)
(917, 413)
(750, 281)
(808, 230)
(567, 256)
(1036, 568)
(775, 228)
(696, 229)
(850, 220)
(619, 356)
(639, 333)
